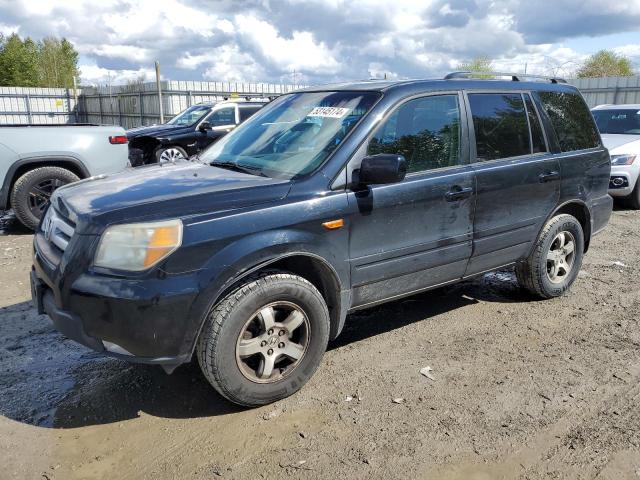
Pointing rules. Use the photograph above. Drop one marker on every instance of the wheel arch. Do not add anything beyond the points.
(22, 166)
(581, 212)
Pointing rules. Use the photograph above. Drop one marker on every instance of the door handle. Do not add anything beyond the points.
(458, 193)
(549, 176)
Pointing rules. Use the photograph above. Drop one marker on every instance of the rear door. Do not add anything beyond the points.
(417, 233)
(517, 178)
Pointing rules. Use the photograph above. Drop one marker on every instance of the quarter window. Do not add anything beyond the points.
(426, 131)
(571, 120)
(500, 125)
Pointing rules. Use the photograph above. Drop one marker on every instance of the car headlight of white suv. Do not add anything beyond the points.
(622, 159)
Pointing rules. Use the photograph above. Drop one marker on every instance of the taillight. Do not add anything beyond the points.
(118, 139)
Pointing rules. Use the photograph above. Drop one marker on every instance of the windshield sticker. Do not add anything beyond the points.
(329, 112)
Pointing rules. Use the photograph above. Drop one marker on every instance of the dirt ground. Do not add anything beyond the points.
(523, 389)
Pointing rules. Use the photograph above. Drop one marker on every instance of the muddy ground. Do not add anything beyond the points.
(523, 389)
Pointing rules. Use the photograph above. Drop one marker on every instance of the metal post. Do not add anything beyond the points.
(27, 101)
(140, 107)
(75, 100)
(189, 101)
(159, 91)
(100, 105)
(119, 111)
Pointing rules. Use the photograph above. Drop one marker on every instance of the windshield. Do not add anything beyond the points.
(293, 135)
(190, 116)
(620, 121)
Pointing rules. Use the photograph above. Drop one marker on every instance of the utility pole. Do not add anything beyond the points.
(159, 91)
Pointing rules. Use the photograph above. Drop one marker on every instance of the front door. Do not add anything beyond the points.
(518, 180)
(417, 233)
(222, 121)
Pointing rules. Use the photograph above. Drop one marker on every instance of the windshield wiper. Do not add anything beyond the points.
(239, 168)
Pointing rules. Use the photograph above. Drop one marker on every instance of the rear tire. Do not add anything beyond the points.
(31, 192)
(265, 339)
(553, 266)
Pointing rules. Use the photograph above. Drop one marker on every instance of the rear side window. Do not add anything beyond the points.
(537, 137)
(426, 131)
(246, 112)
(571, 120)
(500, 125)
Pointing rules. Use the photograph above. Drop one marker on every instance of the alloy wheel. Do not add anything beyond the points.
(273, 342)
(560, 257)
(171, 155)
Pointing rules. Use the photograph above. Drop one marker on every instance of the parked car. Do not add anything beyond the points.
(37, 159)
(620, 129)
(326, 201)
(187, 133)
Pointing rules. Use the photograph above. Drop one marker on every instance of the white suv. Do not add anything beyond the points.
(620, 129)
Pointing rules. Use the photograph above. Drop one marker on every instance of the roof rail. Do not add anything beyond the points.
(515, 77)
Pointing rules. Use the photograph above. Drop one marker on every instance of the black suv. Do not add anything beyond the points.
(189, 132)
(326, 201)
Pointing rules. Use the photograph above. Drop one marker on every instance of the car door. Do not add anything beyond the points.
(517, 178)
(221, 121)
(411, 235)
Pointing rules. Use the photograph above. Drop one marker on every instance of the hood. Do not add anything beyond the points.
(631, 143)
(161, 192)
(156, 130)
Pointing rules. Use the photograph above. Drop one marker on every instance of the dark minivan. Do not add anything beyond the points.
(326, 201)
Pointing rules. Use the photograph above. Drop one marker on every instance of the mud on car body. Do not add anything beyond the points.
(326, 201)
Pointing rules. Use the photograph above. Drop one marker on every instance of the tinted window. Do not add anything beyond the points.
(190, 116)
(426, 131)
(225, 116)
(500, 125)
(621, 121)
(536, 129)
(246, 112)
(571, 120)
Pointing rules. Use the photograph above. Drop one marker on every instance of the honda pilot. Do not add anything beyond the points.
(326, 201)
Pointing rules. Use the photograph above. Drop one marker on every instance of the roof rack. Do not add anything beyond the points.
(515, 77)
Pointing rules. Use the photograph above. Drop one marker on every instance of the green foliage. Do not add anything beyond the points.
(48, 63)
(606, 63)
(478, 65)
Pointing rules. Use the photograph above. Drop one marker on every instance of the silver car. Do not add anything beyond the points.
(619, 126)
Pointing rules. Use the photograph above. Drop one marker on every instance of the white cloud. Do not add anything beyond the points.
(322, 40)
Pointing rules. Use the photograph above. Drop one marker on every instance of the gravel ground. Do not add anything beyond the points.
(522, 389)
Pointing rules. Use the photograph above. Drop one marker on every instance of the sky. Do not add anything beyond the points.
(320, 41)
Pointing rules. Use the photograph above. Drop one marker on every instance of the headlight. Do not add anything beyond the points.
(622, 159)
(138, 246)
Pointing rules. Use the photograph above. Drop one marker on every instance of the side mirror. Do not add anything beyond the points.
(204, 126)
(382, 168)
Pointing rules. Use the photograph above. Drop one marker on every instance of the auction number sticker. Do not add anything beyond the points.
(329, 112)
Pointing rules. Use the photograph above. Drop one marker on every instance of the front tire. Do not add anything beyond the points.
(264, 340)
(555, 261)
(171, 154)
(633, 200)
(31, 192)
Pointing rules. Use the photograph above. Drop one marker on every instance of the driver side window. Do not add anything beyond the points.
(426, 131)
(223, 117)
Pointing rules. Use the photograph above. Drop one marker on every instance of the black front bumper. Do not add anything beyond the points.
(143, 321)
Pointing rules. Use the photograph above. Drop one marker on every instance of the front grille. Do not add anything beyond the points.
(56, 229)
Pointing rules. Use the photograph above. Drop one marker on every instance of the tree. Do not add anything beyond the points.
(477, 65)
(57, 63)
(606, 63)
(18, 61)
(48, 63)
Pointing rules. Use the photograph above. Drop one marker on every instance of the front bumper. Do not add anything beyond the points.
(145, 320)
(623, 180)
